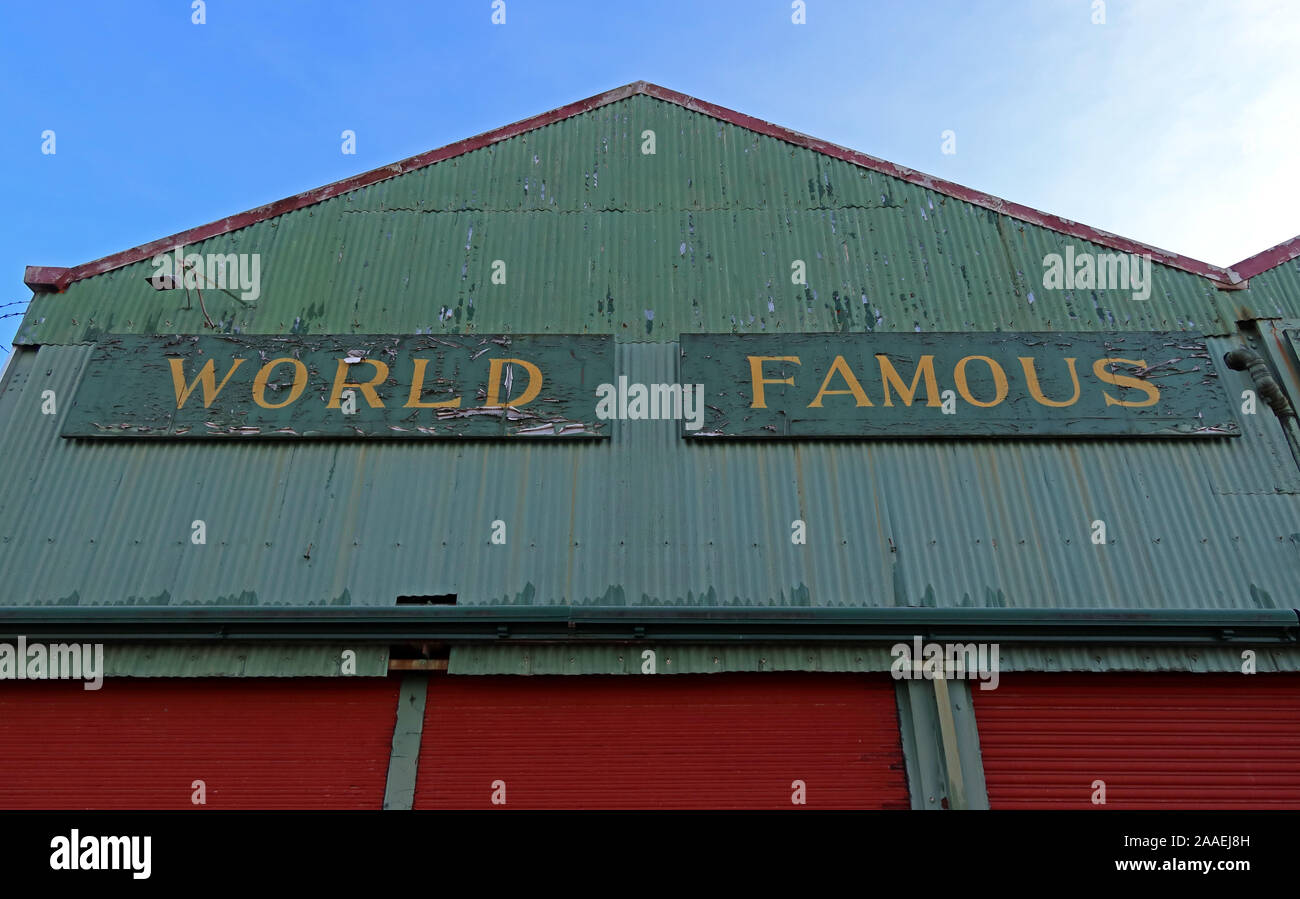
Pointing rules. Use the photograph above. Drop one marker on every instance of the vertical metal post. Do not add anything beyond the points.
(951, 755)
(404, 761)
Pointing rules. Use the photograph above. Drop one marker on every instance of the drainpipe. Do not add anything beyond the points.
(1270, 391)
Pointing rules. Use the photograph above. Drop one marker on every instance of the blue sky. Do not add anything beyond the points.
(1173, 123)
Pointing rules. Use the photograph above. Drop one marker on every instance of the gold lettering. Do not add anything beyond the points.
(759, 382)
(367, 388)
(842, 367)
(1109, 377)
(999, 381)
(890, 376)
(417, 387)
(206, 376)
(264, 373)
(1036, 390)
(494, 383)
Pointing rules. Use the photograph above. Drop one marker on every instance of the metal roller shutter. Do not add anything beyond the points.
(680, 741)
(256, 743)
(1175, 741)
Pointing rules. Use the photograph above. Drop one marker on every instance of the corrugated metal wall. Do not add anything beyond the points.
(1277, 291)
(642, 518)
(597, 235)
(241, 660)
(727, 742)
(142, 743)
(601, 238)
(1153, 741)
(748, 657)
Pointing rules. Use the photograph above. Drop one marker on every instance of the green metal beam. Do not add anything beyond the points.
(604, 624)
(918, 723)
(404, 762)
(961, 744)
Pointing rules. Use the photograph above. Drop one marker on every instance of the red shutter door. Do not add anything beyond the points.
(1191, 741)
(256, 743)
(679, 741)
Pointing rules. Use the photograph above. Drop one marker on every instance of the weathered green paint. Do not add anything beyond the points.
(595, 235)
(700, 237)
(956, 385)
(342, 386)
(625, 659)
(644, 518)
(259, 659)
(940, 744)
(1293, 343)
(960, 744)
(404, 761)
(918, 722)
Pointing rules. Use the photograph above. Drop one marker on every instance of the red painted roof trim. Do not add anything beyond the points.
(948, 188)
(1270, 258)
(53, 278)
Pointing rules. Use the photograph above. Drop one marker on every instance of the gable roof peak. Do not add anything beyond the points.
(56, 278)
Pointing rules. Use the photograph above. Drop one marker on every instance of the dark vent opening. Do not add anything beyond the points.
(427, 651)
(434, 599)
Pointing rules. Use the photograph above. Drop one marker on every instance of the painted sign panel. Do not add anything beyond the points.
(480, 386)
(1083, 384)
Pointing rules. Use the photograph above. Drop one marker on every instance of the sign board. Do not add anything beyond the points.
(931, 385)
(342, 386)
(935, 385)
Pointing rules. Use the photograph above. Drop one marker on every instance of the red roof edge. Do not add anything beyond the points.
(948, 188)
(54, 278)
(43, 278)
(1270, 258)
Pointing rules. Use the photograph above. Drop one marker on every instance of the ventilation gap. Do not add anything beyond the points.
(433, 599)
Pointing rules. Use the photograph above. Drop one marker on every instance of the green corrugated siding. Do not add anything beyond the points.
(644, 517)
(627, 659)
(240, 660)
(1199, 659)
(1277, 291)
(597, 237)
(698, 237)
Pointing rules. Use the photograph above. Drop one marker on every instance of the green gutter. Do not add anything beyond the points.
(604, 624)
